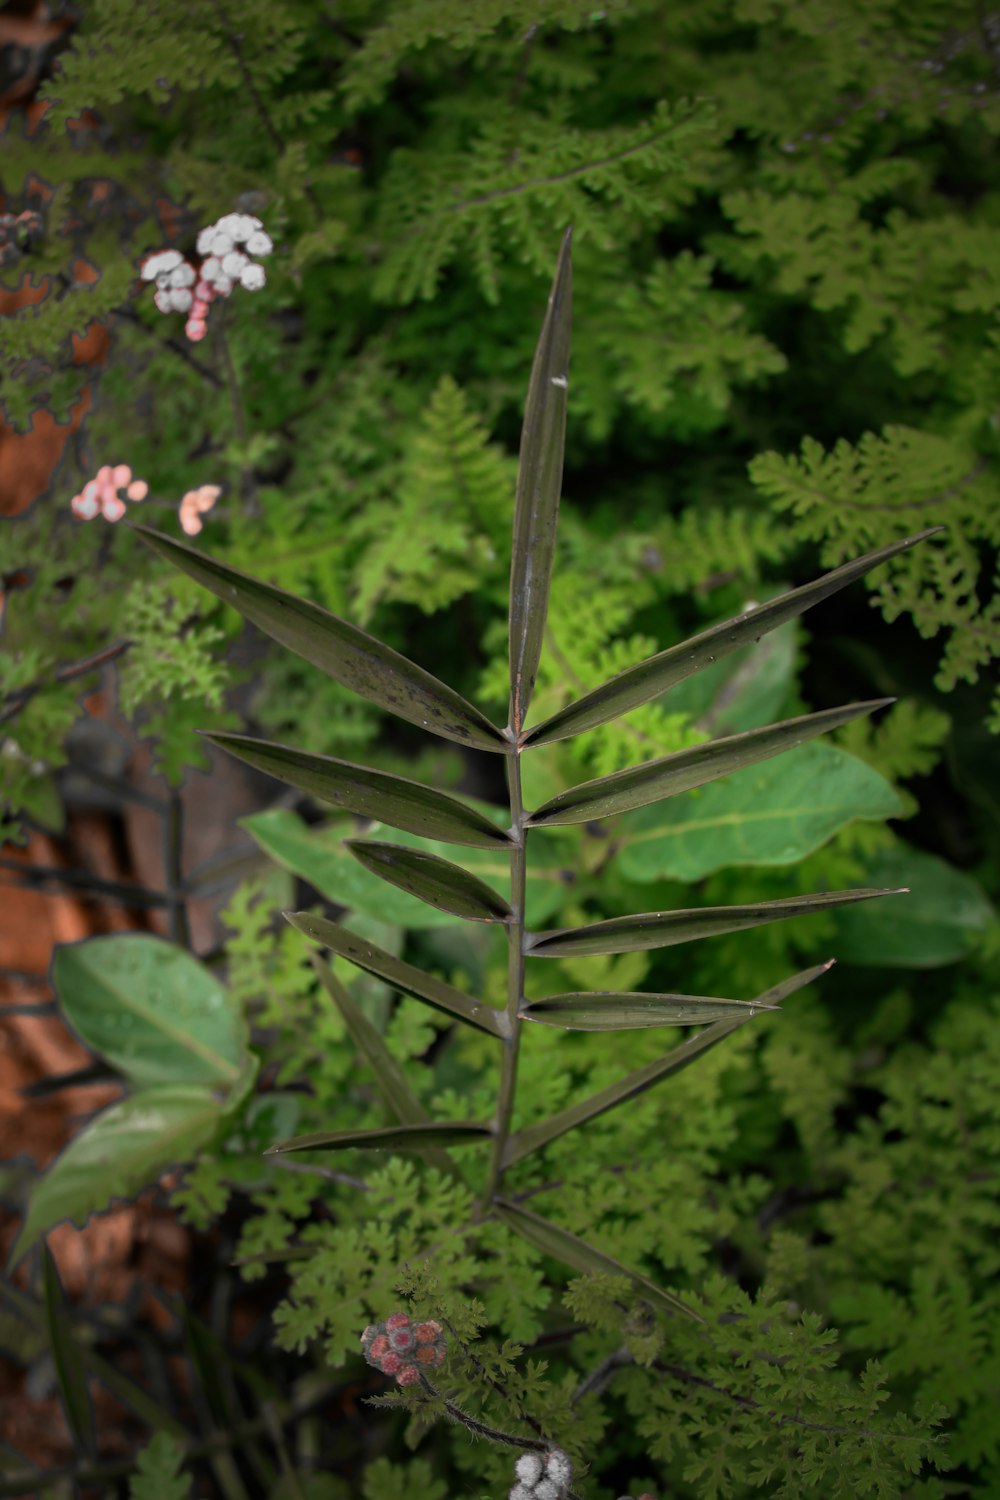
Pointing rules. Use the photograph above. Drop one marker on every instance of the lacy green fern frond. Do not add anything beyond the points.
(411, 25)
(511, 186)
(452, 504)
(867, 494)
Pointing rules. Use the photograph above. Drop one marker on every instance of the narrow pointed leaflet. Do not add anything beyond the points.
(649, 678)
(576, 1253)
(539, 480)
(672, 774)
(600, 1010)
(633, 1084)
(436, 881)
(349, 655)
(389, 1076)
(402, 976)
(662, 929)
(370, 794)
(390, 1138)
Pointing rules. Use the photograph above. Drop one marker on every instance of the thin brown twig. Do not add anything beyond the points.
(17, 699)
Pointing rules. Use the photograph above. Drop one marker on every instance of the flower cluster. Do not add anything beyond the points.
(541, 1476)
(100, 494)
(182, 288)
(402, 1348)
(194, 503)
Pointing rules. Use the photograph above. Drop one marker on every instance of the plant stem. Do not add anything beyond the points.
(173, 842)
(515, 969)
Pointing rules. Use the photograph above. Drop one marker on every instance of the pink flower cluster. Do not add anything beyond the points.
(194, 503)
(100, 494)
(182, 288)
(402, 1348)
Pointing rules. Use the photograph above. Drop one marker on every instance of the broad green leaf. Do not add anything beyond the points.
(662, 929)
(601, 1010)
(654, 676)
(402, 976)
(772, 814)
(349, 655)
(390, 1138)
(539, 480)
(67, 1357)
(572, 1251)
(436, 881)
(151, 1009)
(939, 922)
(122, 1151)
(369, 794)
(389, 1076)
(633, 1084)
(639, 785)
(320, 856)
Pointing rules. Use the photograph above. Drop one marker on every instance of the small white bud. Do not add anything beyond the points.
(223, 284)
(234, 262)
(222, 243)
(529, 1468)
(519, 1492)
(252, 277)
(183, 275)
(259, 243)
(558, 1468)
(205, 238)
(211, 268)
(164, 299)
(230, 224)
(180, 299)
(546, 1490)
(159, 264)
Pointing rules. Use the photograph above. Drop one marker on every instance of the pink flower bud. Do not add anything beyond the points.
(196, 329)
(191, 525)
(137, 490)
(397, 1320)
(113, 509)
(408, 1375)
(390, 1363)
(121, 474)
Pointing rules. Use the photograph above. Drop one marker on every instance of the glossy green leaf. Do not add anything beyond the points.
(390, 1079)
(633, 1084)
(654, 676)
(940, 922)
(602, 1010)
(570, 1250)
(349, 655)
(662, 929)
(436, 881)
(389, 1138)
(402, 976)
(671, 774)
(67, 1357)
(539, 481)
(772, 814)
(319, 856)
(369, 794)
(122, 1151)
(151, 1009)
